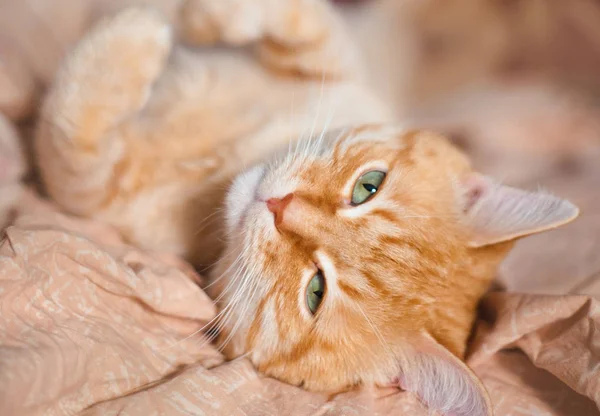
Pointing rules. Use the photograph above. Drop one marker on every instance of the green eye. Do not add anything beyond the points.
(366, 186)
(315, 292)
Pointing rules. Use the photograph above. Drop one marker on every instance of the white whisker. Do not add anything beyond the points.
(253, 282)
(207, 220)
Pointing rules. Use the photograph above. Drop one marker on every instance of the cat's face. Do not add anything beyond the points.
(341, 255)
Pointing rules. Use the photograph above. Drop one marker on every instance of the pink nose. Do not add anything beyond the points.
(277, 206)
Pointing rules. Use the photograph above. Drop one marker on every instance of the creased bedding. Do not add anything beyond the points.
(92, 326)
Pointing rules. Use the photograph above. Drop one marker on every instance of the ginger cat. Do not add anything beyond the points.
(352, 255)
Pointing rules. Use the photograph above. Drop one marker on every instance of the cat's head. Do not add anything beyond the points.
(360, 258)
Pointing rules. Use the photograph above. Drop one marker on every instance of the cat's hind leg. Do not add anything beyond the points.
(104, 82)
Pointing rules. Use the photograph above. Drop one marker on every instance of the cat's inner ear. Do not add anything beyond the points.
(442, 381)
(497, 213)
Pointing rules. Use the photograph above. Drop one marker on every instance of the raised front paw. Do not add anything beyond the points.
(109, 75)
(117, 61)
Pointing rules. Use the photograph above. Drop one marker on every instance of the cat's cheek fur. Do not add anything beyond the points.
(241, 194)
(269, 333)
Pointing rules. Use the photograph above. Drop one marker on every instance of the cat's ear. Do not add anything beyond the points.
(497, 213)
(442, 381)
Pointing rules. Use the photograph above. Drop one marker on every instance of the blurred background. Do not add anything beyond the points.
(515, 83)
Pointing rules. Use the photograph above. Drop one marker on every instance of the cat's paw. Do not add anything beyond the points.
(237, 22)
(110, 73)
(303, 37)
(309, 39)
(124, 54)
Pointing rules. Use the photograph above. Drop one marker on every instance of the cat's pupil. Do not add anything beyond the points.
(371, 188)
(319, 293)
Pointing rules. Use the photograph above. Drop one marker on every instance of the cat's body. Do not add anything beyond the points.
(326, 281)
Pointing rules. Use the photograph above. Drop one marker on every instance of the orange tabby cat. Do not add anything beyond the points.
(361, 260)
(145, 134)
(354, 257)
